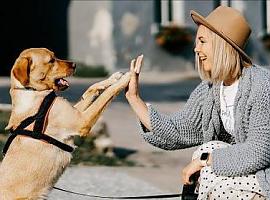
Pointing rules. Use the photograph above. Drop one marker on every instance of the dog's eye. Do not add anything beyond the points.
(52, 60)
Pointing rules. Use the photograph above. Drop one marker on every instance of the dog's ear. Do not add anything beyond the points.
(21, 70)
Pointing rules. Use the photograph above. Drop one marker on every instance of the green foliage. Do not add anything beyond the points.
(83, 70)
(174, 38)
(266, 41)
(2, 143)
(4, 117)
(84, 154)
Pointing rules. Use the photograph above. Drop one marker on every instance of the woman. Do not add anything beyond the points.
(228, 113)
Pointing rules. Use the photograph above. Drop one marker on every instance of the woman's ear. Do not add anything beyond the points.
(21, 70)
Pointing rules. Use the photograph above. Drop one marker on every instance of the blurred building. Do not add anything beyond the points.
(111, 33)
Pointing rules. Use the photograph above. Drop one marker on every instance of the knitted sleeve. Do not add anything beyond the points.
(181, 129)
(254, 154)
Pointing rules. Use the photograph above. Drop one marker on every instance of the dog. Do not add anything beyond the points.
(31, 167)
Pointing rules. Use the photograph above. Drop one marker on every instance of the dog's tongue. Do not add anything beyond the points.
(62, 82)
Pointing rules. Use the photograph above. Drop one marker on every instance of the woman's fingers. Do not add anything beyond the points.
(190, 169)
(131, 89)
(185, 177)
(138, 64)
(135, 64)
(132, 65)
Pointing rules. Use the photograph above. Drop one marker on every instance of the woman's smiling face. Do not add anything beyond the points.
(203, 48)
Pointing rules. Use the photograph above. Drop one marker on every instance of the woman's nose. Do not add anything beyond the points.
(196, 49)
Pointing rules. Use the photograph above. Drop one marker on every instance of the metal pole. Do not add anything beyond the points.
(264, 16)
(216, 3)
(157, 11)
(229, 3)
(170, 10)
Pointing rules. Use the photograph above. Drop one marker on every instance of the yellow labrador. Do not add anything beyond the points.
(31, 167)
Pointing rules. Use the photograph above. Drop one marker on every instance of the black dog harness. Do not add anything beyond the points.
(39, 118)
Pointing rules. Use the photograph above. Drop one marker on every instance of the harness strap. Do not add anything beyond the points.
(40, 115)
(44, 137)
(26, 122)
(37, 133)
(43, 110)
(8, 143)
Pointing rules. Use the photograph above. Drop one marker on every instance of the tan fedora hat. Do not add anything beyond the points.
(229, 24)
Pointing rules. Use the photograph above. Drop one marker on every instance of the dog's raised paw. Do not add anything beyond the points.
(124, 80)
(117, 75)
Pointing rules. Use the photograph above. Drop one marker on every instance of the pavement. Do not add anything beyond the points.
(158, 171)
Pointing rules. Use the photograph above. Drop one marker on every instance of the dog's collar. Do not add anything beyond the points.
(39, 118)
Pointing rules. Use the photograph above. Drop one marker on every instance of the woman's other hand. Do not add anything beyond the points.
(191, 168)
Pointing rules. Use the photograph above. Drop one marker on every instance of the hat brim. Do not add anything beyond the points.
(200, 20)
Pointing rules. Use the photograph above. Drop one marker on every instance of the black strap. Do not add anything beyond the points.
(8, 143)
(42, 112)
(161, 196)
(44, 137)
(26, 122)
(40, 115)
(37, 133)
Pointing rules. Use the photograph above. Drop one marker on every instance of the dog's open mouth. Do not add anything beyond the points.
(61, 83)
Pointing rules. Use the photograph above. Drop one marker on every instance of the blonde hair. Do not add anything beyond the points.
(227, 62)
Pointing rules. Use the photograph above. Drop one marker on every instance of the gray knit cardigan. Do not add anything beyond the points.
(199, 122)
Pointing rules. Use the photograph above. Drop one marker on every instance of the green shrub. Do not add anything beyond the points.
(83, 70)
(4, 117)
(84, 154)
(174, 39)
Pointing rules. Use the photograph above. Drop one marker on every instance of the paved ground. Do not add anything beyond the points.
(103, 181)
(159, 171)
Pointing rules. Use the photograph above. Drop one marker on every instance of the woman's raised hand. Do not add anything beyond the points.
(132, 93)
(132, 90)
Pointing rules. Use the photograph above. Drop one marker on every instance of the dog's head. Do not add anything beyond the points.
(39, 69)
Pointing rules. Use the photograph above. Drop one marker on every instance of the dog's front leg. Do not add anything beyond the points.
(92, 113)
(95, 90)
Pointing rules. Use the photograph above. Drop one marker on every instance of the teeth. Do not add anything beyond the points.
(63, 82)
(202, 58)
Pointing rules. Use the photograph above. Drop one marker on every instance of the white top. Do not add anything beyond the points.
(227, 97)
